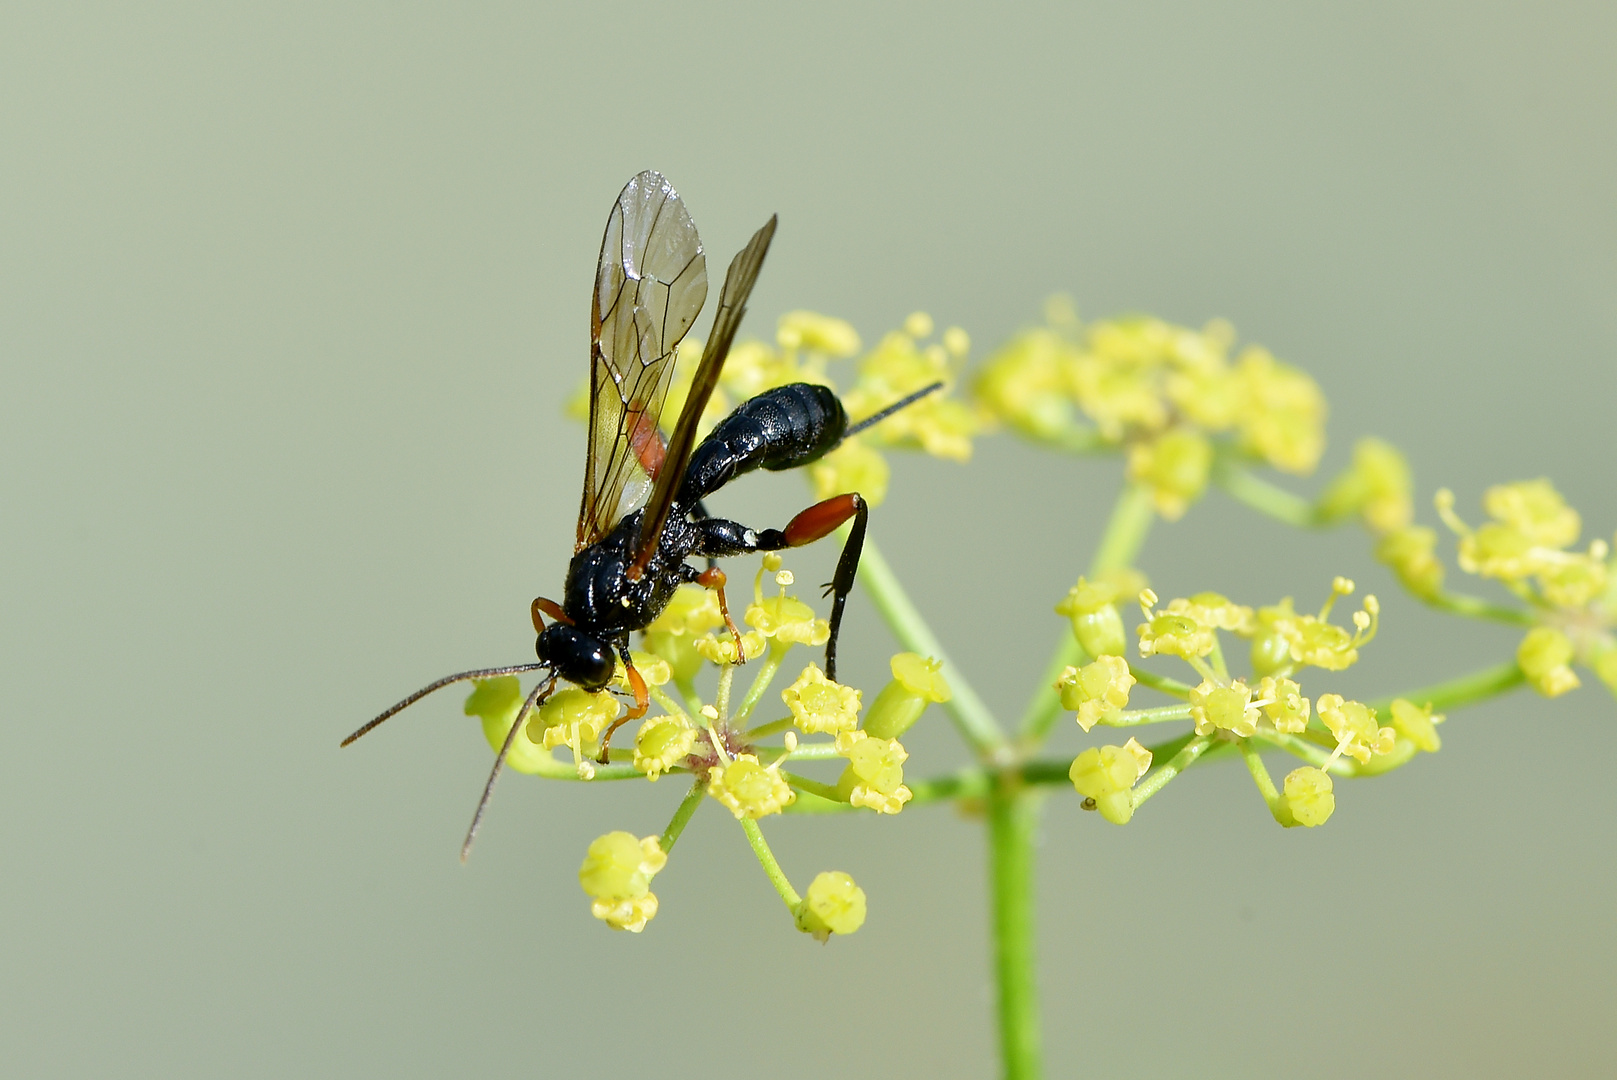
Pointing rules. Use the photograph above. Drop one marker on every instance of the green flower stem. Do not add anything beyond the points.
(1239, 483)
(1160, 683)
(766, 859)
(760, 681)
(1181, 761)
(670, 706)
(971, 716)
(809, 752)
(774, 727)
(1477, 686)
(1260, 776)
(1344, 766)
(828, 792)
(682, 815)
(1013, 822)
(1136, 717)
(1474, 607)
(1125, 533)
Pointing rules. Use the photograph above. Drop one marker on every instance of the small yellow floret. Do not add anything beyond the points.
(1545, 657)
(833, 904)
(875, 773)
(617, 875)
(1175, 465)
(1107, 774)
(1308, 796)
(820, 706)
(661, 743)
(1411, 553)
(1416, 723)
(1353, 725)
(692, 610)
(1287, 709)
(749, 789)
(788, 620)
(817, 333)
(1284, 419)
(1536, 510)
(496, 702)
(1173, 632)
(574, 718)
(1097, 691)
(1377, 486)
(721, 648)
(1216, 708)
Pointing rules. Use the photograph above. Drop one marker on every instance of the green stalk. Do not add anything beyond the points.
(1452, 694)
(682, 815)
(971, 716)
(1240, 484)
(766, 859)
(1013, 821)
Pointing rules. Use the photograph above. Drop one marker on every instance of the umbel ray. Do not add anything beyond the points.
(642, 515)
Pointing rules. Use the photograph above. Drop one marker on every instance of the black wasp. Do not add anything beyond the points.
(642, 515)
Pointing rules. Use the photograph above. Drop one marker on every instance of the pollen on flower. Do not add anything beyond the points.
(1108, 774)
(787, 620)
(1097, 691)
(749, 789)
(1308, 796)
(1545, 657)
(1216, 708)
(662, 743)
(820, 706)
(1353, 725)
(617, 874)
(1417, 724)
(875, 772)
(832, 904)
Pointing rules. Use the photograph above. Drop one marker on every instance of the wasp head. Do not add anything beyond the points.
(577, 657)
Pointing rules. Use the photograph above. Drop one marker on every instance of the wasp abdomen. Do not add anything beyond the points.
(782, 428)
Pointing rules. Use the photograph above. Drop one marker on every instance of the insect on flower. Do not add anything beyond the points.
(642, 515)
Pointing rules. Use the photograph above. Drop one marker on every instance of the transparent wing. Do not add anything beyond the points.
(738, 283)
(649, 286)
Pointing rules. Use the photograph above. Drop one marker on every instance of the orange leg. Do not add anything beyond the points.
(541, 608)
(713, 578)
(642, 702)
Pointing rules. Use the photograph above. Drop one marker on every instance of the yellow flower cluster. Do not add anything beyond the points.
(1161, 390)
(617, 874)
(1107, 774)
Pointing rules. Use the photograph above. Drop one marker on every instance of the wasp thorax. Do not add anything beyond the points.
(577, 657)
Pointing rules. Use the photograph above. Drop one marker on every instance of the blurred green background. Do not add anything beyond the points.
(291, 297)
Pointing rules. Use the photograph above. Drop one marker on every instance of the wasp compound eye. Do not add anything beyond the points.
(576, 657)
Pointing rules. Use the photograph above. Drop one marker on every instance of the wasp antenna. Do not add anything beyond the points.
(480, 673)
(873, 420)
(542, 690)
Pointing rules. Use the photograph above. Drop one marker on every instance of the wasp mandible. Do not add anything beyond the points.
(642, 515)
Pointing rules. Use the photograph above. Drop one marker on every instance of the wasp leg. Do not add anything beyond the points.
(642, 702)
(719, 537)
(713, 578)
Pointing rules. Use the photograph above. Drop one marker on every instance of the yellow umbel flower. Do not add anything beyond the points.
(787, 620)
(1107, 774)
(1411, 553)
(1573, 579)
(833, 904)
(1284, 705)
(1377, 486)
(1312, 640)
(1284, 418)
(875, 773)
(1216, 708)
(1536, 510)
(1307, 796)
(1353, 725)
(749, 789)
(662, 743)
(1092, 607)
(1545, 657)
(1175, 466)
(691, 611)
(917, 682)
(1026, 384)
(496, 702)
(1097, 691)
(617, 875)
(1416, 723)
(1174, 632)
(574, 718)
(721, 648)
(820, 706)
(852, 466)
(817, 333)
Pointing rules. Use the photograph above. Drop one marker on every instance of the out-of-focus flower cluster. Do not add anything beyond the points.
(1161, 392)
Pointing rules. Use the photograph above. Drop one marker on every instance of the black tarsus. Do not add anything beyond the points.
(842, 581)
